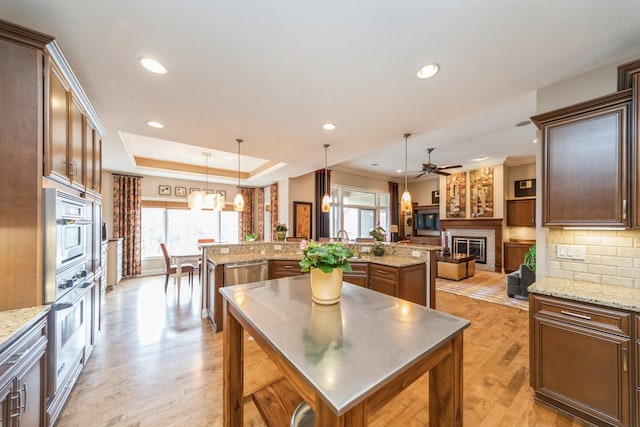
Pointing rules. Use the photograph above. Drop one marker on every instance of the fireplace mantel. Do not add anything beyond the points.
(494, 224)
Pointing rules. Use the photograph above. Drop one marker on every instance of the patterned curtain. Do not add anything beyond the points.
(127, 221)
(260, 214)
(245, 218)
(393, 208)
(273, 189)
(323, 223)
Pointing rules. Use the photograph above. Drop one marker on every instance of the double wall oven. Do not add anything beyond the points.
(68, 275)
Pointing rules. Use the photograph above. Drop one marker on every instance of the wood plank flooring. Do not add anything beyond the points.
(158, 364)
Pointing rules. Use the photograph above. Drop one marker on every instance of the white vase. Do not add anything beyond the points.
(326, 288)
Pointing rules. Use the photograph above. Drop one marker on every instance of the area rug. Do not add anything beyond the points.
(484, 286)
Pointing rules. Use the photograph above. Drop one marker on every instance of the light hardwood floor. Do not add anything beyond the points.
(158, 364)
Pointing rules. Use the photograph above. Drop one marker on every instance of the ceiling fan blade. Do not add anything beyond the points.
(439, 172)
(449, 167)
(415, 177)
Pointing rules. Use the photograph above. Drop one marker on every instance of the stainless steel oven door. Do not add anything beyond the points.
(67, 336)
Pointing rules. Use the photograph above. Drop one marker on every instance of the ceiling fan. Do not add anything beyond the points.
(433, 168)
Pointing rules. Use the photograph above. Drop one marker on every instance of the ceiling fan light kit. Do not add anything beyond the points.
(406, 204)
(433, 168)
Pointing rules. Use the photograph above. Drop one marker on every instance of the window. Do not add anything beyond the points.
(180, 229)
(358, 211)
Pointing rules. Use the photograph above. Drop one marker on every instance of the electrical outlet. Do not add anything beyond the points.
(224, 250)
(415, 254)
(277, 247)
(365, 249)
(570, 252)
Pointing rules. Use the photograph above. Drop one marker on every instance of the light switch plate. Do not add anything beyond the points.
(224, 250)
(365, 249)
(415, 254)
(277, 247)
(570, 252)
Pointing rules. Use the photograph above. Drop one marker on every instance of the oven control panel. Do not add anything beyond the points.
(71, 278)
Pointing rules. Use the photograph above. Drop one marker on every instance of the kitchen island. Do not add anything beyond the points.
(404, 271)
(321, 350)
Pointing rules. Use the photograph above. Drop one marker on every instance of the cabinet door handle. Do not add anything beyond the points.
(23, 400)
(624, 209)
(625, 359)
(579, 316)
(72, 169)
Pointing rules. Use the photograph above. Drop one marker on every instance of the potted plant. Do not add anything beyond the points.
(326, 262)
(281, 231)
(379, 234)
(251, 237)
(530, 259)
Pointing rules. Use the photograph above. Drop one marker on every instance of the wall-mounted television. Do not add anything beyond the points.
(427, 220)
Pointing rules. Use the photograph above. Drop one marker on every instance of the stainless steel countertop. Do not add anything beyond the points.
(346, 350)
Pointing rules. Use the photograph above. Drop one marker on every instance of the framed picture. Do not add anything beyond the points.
(435, 197)
(302, 219)
(181, 191)
(525, 188)
(193, 190)
(456, 195)
(164, 190)
(481, 192)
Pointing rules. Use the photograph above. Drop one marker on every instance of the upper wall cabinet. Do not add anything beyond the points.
(521, 213)
(72, 143)
(629, 78)
(585, 156)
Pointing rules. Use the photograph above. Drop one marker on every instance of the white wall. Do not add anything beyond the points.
(421, 190)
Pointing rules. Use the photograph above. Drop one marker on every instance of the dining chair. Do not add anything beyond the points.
(172, 268)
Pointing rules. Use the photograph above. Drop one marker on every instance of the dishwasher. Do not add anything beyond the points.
(245, 272)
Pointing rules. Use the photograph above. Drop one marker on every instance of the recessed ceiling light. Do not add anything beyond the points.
(523, 123)
(535, 141)
(328, 126)
(153, 65)
(479, 159)
(428, 70)
(399, 170)
(155, 124)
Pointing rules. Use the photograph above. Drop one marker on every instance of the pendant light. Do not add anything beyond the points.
(405, 201)
(326, 199)
(238, 201)
(200, 199)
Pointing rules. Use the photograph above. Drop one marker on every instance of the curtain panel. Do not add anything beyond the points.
(273, 189)
(323, 219)
(245, 218)
(127, 221)
(394, 209)
(260, 213)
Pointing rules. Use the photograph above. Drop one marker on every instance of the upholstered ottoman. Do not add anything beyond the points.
(453, 271)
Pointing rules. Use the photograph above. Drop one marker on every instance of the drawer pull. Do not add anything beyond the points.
(288, 267)
(383, 272)
(625, 360)
(579, 316)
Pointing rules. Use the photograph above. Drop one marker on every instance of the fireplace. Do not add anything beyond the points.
(491, 228)
(470, 245)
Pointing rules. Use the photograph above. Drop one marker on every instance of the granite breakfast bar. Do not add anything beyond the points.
(404, 271)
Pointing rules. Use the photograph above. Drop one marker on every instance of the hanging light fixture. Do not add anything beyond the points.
(201, 199)
(238, 201)
(326, 199)
(405, 201)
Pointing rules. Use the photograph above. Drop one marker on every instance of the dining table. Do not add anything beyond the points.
(346, 360)
(179, 258)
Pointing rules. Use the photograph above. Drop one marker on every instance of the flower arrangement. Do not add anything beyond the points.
(251, 237)
(378, 233)
(325, 256)
(281, 227)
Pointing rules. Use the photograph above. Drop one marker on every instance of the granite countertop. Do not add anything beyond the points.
(14, 322)
(389, 260)
(595, 293)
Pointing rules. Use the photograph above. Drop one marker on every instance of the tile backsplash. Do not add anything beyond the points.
(611, 257)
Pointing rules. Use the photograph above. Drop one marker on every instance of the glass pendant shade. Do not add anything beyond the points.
(238, 203)
(195, 201)
(326, 203)
(405, 202)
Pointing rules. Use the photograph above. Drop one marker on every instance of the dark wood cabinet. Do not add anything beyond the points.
(580, 359)
(359, 274)
(22, 372)
(514, 254)
(280, 268)
(521, 213)
(409, 283)
(585, 152)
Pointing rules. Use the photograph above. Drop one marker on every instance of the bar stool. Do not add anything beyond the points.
(303, 416)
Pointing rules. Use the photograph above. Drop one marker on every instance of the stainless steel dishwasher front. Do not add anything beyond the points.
(246, 272)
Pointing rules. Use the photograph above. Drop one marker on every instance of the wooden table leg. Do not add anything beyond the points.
(445, 388)
(356, 416)
(233, 355)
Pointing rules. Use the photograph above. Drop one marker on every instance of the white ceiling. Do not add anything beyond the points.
(272, 72)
